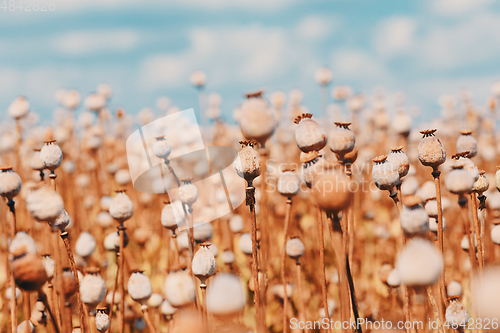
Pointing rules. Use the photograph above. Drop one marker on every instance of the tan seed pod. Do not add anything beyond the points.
(431, 151)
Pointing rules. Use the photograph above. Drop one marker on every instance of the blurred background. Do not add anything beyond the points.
(146, 50)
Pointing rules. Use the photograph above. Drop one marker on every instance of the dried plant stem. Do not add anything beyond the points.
(435, 308)
(13, 301)
(283, 262)
(477, 230)
(118, 254)
(322, 262)
(81, 309)
(263, 226)
(176, 249)
(149, 323)
(57, 273)
(53, 177)
(302, 307)
(462, 201)
(250, 201)
(172, 172)
(121, 230)
(191, 231)
(93, 328)
(26, 306)
(203, 302)
(440, 233)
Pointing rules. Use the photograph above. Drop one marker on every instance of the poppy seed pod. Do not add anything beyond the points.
(414, 219)
(104, 220)
(431, 151)
(409, 185)
(323, 76)
(288, 184)
(155, 300)
(332, 191)
(71, 99)
(51, 155)
(19, 108)
(431, 207)
(167, 309)
(61, 222)
(257, 120)
(341, 140)
(400, 160)
(188, 192)
(457, 315)
(228, 257)
(203, 232)
(22, 242)
(92, 288)
(198, 78)
(112, 241)
(85, 245)
(312, 166)
(419, 263)
(179, 288)
(48, 264)
(225, 295)
(236, 223)
(279, 291)
(161, 148)
(203, 264)
(102, 320)
(44, 204)
(497, 178)
(482, 184)
(26, 327)
(172, 215)
(95, 102)
(122, 177)
(295, 248)
(121, 208)
(10, 183)
(139, 287)
(459, 181)
(393, 279)
(467, 163)
(454, 289)
(109, 297)
(466, 142)
(36, 162)
(401, 123)
(433, 224)
(385, 174)
(246, 244)
(495, 234)
(247, 162)
(309, 134)
(69, 283)
(28, 271)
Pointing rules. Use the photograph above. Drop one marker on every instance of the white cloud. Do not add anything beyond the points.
(357, 64)
(395, 35)
(473, 40)
(457, 7)
(251, 54)
(315, 27)
(85, 42)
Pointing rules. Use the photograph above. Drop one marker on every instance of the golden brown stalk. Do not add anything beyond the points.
(283, 262)
(118, 260)
(42, 297)
(263, 226)
(13, 301)
(435, 308)
(250, 201)
(149, 323)
(302, 307)
(121, 230)
(477, 230)
(462, 201)
(58, 281)
(81, 309)
(322, 262)
(93, 328)
(437, 181)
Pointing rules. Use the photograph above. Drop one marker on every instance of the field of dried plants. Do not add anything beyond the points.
(352, 215)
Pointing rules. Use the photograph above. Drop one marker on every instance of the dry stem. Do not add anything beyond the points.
(283, 262)
(250, 201)
(322, 262)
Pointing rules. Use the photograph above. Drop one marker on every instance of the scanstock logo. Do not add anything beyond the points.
(210, 168)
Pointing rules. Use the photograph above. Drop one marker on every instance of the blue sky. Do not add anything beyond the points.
(148, 49)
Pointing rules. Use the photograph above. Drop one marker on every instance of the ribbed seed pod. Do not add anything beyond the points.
(257, 119)
(295, 248)
(332, 191)
(467, 143)
(225, 295)
(459, 181)
(139, 287)
(161, 148)
(121, 208)
(92, 288)
(203, 264)
(44, 204)
(288, 184)
(179, 287)
(188, 193)
(431, 151)
(10, 183)
(172, 215)
(419, 263)
(399, 159)
(457, 316)
(385, 174)
(51, 155)
(341, 140)
(247, 163)
(309, 134)
(414, 219)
